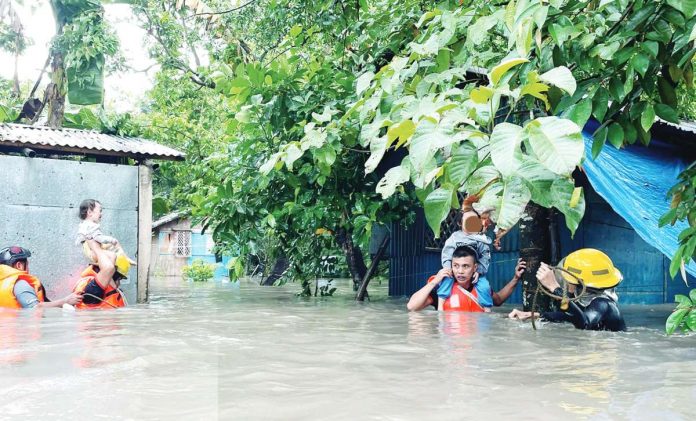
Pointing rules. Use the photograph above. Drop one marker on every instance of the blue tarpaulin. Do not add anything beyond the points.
(635, 181)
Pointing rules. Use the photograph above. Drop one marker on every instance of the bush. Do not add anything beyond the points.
(684, 316)
(199, 271)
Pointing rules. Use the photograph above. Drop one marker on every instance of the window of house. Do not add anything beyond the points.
(182, 243)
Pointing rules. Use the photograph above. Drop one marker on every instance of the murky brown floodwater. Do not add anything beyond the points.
(221, 351)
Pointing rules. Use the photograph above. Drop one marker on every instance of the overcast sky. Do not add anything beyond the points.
(122, 90)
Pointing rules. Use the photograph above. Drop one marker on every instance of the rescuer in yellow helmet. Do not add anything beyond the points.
(596, 308)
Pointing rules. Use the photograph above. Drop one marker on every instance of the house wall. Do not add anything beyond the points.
(645, 269)
(165, 263)
(39, 205)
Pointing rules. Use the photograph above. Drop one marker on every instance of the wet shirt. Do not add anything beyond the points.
(25, 294)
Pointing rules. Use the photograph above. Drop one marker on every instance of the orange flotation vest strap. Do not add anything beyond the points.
(108, 297)
(461, 300)
(8, 278)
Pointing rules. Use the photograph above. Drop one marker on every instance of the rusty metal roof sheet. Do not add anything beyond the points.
(84, 142)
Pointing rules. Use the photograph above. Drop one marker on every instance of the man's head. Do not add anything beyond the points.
(464, 265)
(15, 256)
(90, 209)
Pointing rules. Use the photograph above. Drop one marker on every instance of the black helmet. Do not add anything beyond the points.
(11, 255)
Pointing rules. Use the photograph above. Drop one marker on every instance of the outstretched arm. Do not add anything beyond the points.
(502, 295)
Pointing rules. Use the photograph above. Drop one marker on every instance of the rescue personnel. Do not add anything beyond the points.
(18, 289)
(100, 290)
(464, 295)
(596, 308)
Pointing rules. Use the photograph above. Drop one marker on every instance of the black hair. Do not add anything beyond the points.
(465, 251)
(86, 206)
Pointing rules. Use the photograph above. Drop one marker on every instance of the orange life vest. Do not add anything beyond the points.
(461, 300)
(111, 298)
(8, 278)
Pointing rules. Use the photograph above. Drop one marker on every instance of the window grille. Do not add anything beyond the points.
(182, 243)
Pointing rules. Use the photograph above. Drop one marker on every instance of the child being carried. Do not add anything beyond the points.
(471, 235)
(90, 214)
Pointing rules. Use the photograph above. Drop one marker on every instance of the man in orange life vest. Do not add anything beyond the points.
(18, 289)
(100, 287)
(463, 296)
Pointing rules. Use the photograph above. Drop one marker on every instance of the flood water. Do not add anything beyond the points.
(225, 351)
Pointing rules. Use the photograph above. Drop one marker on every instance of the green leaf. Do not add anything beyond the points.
(391, 180)
(364, 82)
(402, 131)
(692, 295)
(667, 113)
(651, 47)
(481, 178)
(437, 206)
(509, 200)
(579, 113)
(557, 143)
(499, 71)
(687, 7)
(539, 180)
(640, 63)
(505, 147)
(675, 319)
(295, 31)
(560, 77)
(600, 103)
(647, 118)
(616, 135)
(691, 320)
(598, 140)
(462, 163)
(667, 92)
(616, 88)
(683, 301)
(564, 194)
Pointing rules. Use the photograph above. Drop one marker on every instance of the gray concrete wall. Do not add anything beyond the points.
(39, 202)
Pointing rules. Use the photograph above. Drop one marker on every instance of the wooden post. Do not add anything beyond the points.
(144, 228)
(362, 291)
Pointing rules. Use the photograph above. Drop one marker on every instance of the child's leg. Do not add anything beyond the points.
(105, 259)
(445, 288)
(483, 291)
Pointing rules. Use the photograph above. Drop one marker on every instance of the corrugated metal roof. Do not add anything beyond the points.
(167, 219)
(685, 126)
(84, 142)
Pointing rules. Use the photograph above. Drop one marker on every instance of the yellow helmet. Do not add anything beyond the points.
(594, 268)
(122, 265)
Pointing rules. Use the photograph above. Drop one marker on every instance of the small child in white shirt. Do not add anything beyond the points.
(91, 213)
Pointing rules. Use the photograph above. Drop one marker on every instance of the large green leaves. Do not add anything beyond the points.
(505, 148)
(508, 198)
(437, 205)
(569, 200)
(557, 143)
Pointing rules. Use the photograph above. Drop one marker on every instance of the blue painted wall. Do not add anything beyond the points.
(645, 270)
(199, 250)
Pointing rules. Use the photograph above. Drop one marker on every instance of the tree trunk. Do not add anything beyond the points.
(534, 248)
(280, 266)
(354, 257)
(55, 92)
(362, 291)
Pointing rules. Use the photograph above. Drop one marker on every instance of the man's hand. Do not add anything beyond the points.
(546, 277)
(519, 314)
(74, 298)
(442, 274)
(519, 269)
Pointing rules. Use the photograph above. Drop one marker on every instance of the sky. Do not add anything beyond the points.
(123, 90)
